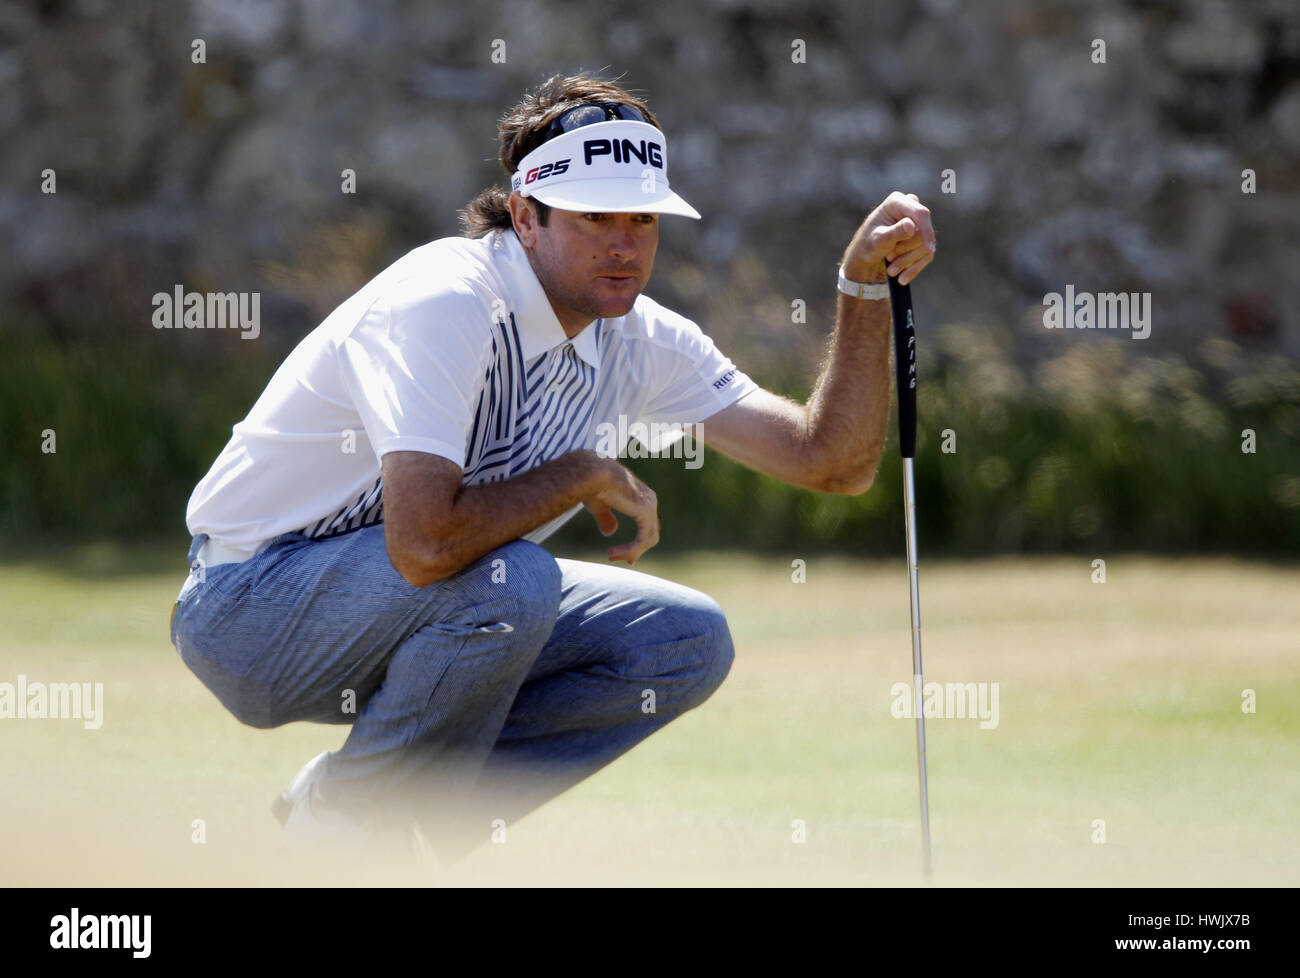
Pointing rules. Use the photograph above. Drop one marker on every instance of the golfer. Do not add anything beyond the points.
(366, 546)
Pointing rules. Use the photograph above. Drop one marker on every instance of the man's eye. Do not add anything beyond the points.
(594, 216)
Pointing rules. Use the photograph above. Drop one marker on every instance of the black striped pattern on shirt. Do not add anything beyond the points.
(526, 414)
(366, 510)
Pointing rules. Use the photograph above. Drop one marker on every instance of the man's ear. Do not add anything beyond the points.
(524, 216)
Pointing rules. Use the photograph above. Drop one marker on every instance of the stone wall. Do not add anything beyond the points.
(1122, 175)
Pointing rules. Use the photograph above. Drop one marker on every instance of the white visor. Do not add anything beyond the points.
(616, 166)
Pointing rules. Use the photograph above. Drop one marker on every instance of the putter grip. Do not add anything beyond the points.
(900, 305)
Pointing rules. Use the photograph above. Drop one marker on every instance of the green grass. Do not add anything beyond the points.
(1118, 701)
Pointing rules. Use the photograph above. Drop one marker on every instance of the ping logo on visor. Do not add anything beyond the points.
(615, 166)
(624, 151)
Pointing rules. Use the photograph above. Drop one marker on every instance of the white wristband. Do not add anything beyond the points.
(863, 290)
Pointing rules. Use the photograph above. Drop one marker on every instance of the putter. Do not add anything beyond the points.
(900, 304)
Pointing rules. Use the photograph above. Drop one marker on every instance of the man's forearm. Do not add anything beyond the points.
(487, 516)
(834, 441)
(850, 404)
(849, 407)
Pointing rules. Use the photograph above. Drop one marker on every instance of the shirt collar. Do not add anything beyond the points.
(539, 330)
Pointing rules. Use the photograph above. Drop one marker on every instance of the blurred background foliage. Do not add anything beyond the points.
(1123, 176)
(1097, 451)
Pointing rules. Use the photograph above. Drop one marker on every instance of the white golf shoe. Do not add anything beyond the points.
(306, 819)
(311, 823)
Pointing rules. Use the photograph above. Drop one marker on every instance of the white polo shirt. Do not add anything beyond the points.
(453, 350)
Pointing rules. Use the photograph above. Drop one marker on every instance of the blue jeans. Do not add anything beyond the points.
(475, 698)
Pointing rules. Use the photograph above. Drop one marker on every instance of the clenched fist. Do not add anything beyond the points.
(896, 238)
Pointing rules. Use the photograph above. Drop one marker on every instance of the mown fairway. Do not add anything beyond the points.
(1119, 702)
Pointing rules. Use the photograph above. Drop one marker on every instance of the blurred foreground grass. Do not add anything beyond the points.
(1118, 702)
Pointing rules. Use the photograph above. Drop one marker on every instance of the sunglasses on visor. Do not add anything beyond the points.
(589, 114)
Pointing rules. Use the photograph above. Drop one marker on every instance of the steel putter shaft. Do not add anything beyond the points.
(900, 301)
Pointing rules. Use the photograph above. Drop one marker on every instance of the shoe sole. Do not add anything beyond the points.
(282, 807)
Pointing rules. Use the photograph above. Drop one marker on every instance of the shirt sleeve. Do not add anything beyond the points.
(414, 366)
(691, 380)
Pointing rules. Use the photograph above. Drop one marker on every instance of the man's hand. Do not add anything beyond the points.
(898, 232)
(434, 526)
(621, 490)
(834, 442)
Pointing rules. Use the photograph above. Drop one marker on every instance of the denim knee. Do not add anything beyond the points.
(717, 650)
(529, 579)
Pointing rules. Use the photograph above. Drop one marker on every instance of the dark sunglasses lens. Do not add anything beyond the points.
(628, 113)
(583, 115)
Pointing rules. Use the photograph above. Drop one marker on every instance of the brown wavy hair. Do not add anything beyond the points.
(520, 132)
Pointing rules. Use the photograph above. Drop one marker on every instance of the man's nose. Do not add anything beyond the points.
(623, 242)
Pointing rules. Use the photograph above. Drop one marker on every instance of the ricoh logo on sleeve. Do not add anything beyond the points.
(725, 379)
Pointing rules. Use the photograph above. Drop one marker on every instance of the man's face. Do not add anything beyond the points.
(593, 265)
